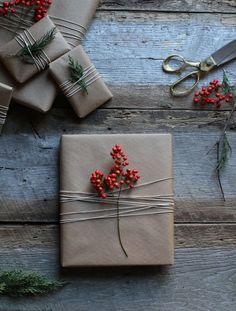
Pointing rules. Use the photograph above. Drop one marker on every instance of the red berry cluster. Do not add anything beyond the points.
(7, 7)
(212, 95)
(117, 176)
(97, 181)
(40, 7)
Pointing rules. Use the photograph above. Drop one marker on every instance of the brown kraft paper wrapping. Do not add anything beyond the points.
(148, 239)
(98, 92)
(39, 92)
(69, 16)
(21, 70)
(5, 99)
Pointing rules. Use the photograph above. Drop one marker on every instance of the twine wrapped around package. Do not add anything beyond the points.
(5, 99)
(72, 24)
(89, 224)
(96, 92)
(23, 68)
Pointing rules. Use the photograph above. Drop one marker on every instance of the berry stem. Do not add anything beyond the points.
(118, 223)
(218, 171)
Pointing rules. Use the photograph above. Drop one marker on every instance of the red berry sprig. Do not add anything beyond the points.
(40, 7)
(212, 95)
(117, 176)
(7, 7)
(97, 182)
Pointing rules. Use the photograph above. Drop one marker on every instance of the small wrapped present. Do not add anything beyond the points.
(133, 223)
(38, 93)
(33, 50)
(80, 82)
(5, 99)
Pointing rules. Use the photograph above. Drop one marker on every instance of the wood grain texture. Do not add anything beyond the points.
(30, 150)
(207, 276)
(186, 236)
(226, 6)
(147, 97)
(147, 38)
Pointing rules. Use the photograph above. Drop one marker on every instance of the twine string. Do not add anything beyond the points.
(90, 75)
(130, 206)
(76, 31)
(3, 114)
(25, 39)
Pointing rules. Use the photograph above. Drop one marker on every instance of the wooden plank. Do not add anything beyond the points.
(186, 235)
(208, 276)
(226, 6)
(29, 160)
(147, 38)
(62, 120)
(148, 97)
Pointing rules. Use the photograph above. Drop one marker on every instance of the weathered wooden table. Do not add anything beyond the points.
(127, 42)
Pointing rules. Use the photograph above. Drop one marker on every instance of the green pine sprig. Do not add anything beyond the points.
(223, 142)
(36, 48)
(17, 283)
(223, 146)
(76, 73)
(226, 86)
(224, 153)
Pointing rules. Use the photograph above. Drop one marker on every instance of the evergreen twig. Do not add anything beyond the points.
(222, 145)
(18, 283)
(76, 71)
(226, 86)
(36, 48)
(224, 151)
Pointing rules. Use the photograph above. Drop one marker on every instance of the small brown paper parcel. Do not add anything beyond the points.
(89, 234)
(40, 91)
(5, 99)
(21, 57)
(83, 101)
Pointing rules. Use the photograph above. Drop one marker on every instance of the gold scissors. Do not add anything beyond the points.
(220, 57)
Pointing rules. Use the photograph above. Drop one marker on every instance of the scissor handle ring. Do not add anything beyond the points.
(166, 63)
(195, 74)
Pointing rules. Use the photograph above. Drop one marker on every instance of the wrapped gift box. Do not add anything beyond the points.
(37, 93)
(73, 17)
(97, 92)
(69, 22)
(5, 99)
(147, 235)
(24, 66)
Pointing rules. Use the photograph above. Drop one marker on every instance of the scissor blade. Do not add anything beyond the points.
(225, 54)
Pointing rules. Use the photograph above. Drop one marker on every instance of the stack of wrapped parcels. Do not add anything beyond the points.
(31, 55)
